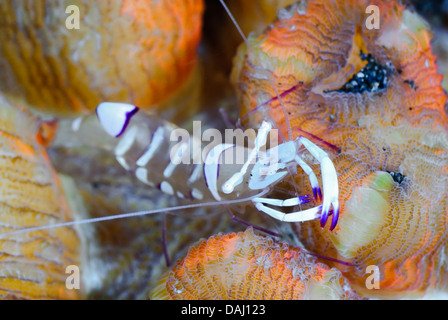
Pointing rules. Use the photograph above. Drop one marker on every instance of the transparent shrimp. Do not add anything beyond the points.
(143, 146)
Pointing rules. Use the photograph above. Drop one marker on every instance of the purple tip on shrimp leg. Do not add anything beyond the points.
(324, 218)
(334, 220)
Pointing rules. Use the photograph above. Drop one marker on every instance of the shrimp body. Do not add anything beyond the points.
(145, 147)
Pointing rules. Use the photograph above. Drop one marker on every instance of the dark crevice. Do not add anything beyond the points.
(398, 177)
(372, 78)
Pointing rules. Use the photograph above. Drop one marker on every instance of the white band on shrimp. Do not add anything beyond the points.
(329, 182)
(269, 167)
(211, 168)
(114, 117)
(260, 141)
(299, 216)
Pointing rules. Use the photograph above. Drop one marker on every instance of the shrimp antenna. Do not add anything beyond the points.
(229, 13)
(235, 23)
(288, 124)
(133, 214)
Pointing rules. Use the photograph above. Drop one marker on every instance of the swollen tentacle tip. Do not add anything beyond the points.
(114, 117)
(235, 258)
(29, 268)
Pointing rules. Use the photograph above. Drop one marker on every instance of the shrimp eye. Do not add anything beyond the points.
(114, 117)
